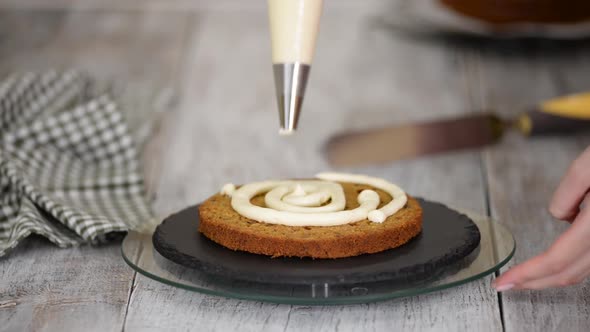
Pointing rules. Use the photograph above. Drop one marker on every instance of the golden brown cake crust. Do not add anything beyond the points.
(220, 223)
(523, 11)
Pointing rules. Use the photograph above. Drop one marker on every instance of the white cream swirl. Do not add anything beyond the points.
(315, 202)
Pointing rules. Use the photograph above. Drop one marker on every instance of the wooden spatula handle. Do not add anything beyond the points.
(537, 123)
(562, 115)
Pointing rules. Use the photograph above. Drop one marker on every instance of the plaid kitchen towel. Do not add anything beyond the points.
(69, 169)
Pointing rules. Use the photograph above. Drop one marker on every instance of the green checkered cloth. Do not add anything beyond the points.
(69, 168)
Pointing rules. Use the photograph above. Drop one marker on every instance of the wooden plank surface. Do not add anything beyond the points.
(167, 5)
(225, 130)
(523, 173)
(43, 288)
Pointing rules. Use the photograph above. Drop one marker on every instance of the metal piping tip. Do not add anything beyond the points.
(290, 82)
(286, 132)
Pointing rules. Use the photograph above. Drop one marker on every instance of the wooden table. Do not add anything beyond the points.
(216, 56)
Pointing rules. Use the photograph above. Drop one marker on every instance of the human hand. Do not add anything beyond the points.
(567, 261)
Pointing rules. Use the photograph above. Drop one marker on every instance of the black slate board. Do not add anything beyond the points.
(447, 237)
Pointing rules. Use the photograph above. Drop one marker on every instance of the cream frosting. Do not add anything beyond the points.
(315, 202)
(228, 189)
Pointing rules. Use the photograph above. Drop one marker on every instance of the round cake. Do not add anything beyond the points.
(523, 11)
(325, 218)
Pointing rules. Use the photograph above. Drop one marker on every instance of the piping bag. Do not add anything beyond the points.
(294, 27)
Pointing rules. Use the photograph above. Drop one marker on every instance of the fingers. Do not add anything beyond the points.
(568, 260)
(572, 275)
(571, 216)
(572, 188)
(562, 260)
(532, 269)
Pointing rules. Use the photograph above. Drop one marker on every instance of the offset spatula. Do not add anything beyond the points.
(556, 116)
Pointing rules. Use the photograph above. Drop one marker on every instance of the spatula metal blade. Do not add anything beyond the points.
(377, 146)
